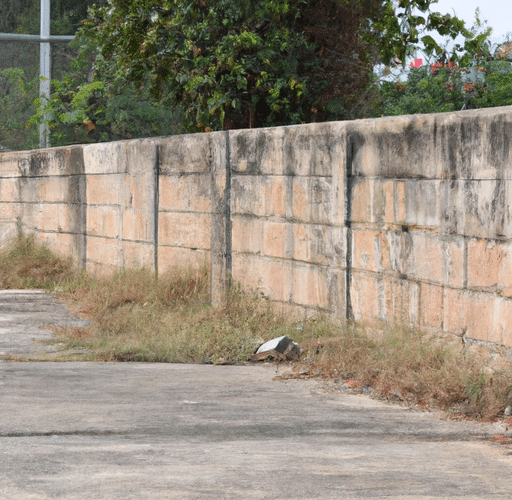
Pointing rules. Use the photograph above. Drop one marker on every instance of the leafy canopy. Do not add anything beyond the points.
(481, 77)
(441, 88)
(24, 16)
(252, 63)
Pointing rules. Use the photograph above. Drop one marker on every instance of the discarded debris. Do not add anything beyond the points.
(281, 348)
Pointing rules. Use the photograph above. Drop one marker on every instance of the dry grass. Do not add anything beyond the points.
(138, 317)
(419, 369)
(27, 264)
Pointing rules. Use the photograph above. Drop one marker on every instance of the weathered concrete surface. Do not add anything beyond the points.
(153, 431)
(25, 316)
(150, 431)
(399, 219)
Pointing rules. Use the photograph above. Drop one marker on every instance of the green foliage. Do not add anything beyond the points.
(19, 64)
(438, 88)
(23, 16)
(256, 63)
(16, 102)
(85, 107)
(478, 77)
(145, 66)
(225, 62)
(424, 92)
(496, 89)
(400, 29)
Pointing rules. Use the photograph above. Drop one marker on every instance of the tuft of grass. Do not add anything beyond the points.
(418, 368)
(27, 263)
(136, 316)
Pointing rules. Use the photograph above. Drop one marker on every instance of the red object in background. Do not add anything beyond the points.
(436, 66)
(417, 63)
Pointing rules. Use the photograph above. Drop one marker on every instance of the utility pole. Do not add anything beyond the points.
(44, 39)
(45, 58)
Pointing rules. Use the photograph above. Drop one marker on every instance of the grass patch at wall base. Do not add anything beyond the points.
(26, 263)
(135, 316)
(420, 369)
(138, 317)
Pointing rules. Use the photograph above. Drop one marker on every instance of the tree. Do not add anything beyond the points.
(16, 97)
(438, 88)
(496, 89)
(425, 91)
(87, 106)
(23, 16)
(253, 63)
(19, 64)
(481, 78)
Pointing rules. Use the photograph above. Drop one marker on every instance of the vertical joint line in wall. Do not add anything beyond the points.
(465, 262)
(349, 314)
(227, 212)
(156, 201)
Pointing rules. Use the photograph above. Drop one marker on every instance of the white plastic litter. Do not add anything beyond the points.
(281, 348)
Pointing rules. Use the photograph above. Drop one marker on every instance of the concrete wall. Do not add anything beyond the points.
(403, 218)
(44, 192)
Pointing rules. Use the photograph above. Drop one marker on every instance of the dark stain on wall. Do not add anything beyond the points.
(355, 142)
(499, 139)
(449, 150)
(498, 204)
(65, 161)
(465, 132)
(406, 252)
(455, 143)
(402, 153)
(39, 163)
(294, 142)
(392, 149)
(253, 147)
(418, 141)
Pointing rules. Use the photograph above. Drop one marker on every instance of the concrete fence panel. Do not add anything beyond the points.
(396, 219)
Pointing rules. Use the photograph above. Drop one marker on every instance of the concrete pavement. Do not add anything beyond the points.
(25, 316)
(157, 431)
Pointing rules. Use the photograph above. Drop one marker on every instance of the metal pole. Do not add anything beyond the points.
(17, 37)
(44, 39)
(44, 71)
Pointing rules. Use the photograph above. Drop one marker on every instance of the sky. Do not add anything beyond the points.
(498, 14)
